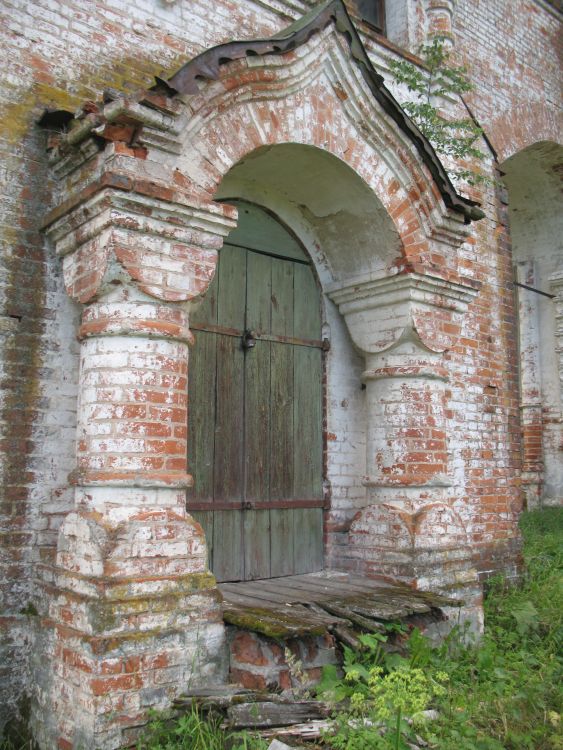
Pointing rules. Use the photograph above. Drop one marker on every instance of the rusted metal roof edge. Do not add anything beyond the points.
(207, 66)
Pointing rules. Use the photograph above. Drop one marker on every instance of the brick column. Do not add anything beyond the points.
(135, 616)
(553, 441)
(531, 410)
(439, 15)
(409, 530)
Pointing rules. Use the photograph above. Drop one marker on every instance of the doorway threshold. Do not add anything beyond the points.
(329, 601)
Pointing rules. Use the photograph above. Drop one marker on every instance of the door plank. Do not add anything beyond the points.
(228, 554)
(281, 406)
(282, 540)
(257, 418)
(308, 550)
(228, 470)
(229, 475)
(256, 532)
(202, 376)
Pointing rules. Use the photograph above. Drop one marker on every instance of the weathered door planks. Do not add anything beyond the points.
(256, 413)
(257, 417)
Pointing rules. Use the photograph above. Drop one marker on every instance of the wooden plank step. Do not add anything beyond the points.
(324, 587)
(292, 594)
(356, 582)
(281, 604)
(382, 610)
(233, 597)
(364, 623)
(269, 593)
(329, 589)
(280, 624)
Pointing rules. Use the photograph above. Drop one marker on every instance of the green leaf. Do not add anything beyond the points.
(526, 616)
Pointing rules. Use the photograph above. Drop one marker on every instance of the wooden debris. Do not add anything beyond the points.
(277, 622)
(331, 617)
(348, 613)
(312, 604)
(347, 637)
(269, 714)
(221, 702)
(309, 730)
(277, 745)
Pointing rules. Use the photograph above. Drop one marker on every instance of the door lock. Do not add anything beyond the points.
(247, 505)
(248, 340)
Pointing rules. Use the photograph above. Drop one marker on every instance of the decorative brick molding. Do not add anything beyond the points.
(408, 531)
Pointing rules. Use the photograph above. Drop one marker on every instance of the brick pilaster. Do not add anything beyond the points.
(409, 530)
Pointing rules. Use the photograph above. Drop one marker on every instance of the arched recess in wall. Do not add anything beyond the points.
(533, 178)
(303, 213)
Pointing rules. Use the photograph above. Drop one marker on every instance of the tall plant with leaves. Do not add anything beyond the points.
(452, 137)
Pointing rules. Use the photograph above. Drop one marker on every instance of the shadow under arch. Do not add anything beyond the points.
(336, 215)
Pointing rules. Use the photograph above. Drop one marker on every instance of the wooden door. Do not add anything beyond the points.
(255, 406)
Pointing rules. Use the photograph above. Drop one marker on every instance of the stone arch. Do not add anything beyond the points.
(317, 96)
(533, 179)
(341, 221)
(348, 233)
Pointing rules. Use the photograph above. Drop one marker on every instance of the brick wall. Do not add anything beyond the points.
(64, 53)
(61, 54)
(513, 51)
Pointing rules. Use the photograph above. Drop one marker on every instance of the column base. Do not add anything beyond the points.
(135, 618)
(104, 662)
(426, 549)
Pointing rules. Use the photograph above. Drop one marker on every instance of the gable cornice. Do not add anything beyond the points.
(207, 66)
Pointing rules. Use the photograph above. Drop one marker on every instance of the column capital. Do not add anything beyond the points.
(116, 235)
(410, 307)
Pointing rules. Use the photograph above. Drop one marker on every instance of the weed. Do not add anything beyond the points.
(193, 731)
(454, 137)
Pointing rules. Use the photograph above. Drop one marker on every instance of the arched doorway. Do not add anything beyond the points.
(255, 401)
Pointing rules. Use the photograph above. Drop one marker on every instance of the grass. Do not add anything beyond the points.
(194, 732)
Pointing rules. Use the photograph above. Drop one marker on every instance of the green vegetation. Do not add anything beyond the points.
(455, 137)
(193, 732)
(503, 693)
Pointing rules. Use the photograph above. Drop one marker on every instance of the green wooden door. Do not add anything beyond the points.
(255, 406)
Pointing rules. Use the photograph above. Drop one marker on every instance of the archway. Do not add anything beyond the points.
(343, 232)
(533, 178)
(139, 226)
